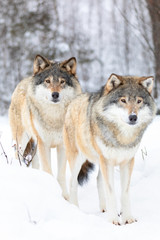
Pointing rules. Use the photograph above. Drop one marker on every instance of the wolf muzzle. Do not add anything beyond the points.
(133, 119)
(55, 97)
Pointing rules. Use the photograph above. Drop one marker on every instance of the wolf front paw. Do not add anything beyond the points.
(74, 201)
(103, 208)
(128, 220)
(114, 220)
(66, 196)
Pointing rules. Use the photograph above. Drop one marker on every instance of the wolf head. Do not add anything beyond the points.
(55, 81)
(128, 100)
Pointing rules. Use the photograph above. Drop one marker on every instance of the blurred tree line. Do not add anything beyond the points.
(120, 36)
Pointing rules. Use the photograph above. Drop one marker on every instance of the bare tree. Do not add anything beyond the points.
(154, 10)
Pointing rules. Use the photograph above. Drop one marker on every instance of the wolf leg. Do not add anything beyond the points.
(19, 143)
(101, 192)
(35, 161)
(108, 176)
(125, 173)
(44, 155)
(75, 169)
(61, 176)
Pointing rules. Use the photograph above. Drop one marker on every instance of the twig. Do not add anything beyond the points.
(29, 216)
(144, 153)
(4, 153)
(18, 153)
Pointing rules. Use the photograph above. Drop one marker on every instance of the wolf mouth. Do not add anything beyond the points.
(55, 100)
(132, 123)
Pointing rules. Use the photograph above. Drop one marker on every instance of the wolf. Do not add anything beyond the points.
(106, 128)
(37, 111)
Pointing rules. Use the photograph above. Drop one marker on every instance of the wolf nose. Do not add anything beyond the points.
(132, 118)
(55, 95)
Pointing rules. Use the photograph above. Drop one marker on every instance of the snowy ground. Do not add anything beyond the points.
(31, 206)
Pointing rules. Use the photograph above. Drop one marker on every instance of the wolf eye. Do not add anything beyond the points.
(62, 81)
(48, 81)
(139, 101)
(123, 100)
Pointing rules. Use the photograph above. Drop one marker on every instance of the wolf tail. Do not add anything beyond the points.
(83, 175)
(29, 152)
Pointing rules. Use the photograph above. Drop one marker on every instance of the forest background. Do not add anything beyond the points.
(105, 36)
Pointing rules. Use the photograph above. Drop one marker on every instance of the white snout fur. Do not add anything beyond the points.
(121, 116)
(43, 93)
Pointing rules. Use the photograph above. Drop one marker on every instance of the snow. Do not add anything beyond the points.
(31, 205)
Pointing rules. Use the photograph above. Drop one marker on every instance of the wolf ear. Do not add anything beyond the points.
(113, 82)
(40, 63)
(147, 83)
(70, 65)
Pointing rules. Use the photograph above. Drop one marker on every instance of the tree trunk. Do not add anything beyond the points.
(154, 11)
